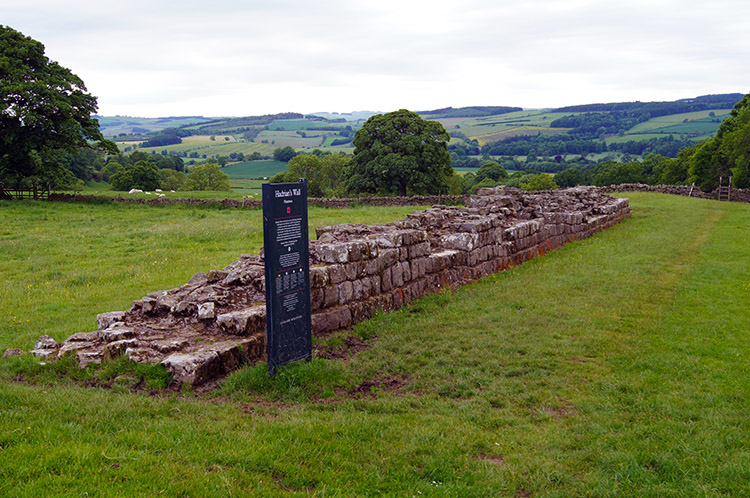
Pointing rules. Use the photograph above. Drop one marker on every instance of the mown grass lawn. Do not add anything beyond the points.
(616, 366)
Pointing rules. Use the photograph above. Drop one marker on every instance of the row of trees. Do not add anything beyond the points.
(146, 175)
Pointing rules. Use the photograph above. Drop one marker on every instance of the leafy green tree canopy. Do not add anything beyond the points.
(207, 176)
(541, 181)
(143, 175)
(729, 149)
(110, 169)
(324, 173)
(44, 109)
(171, 179)
(571, 177)
(284, 154)
(493, 171)
(400, 153)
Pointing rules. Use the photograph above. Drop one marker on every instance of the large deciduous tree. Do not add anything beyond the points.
(44, 111)
(400, 153)
(207, 176)
(323, 174)
(143, 175)
(727, 151)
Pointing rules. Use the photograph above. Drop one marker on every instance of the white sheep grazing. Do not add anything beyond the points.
(162, 195)
(158, 190)
(147, 193)
(135, 191)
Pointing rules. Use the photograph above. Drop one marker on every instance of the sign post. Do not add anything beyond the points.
(287, 262)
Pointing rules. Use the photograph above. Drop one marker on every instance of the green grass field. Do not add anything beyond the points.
(616, 366)
(254, 169)
(676, 119)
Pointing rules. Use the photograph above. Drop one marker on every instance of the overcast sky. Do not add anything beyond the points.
(154, 58)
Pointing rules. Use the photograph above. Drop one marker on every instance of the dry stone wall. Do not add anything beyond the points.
(216, 321)
(418, 200)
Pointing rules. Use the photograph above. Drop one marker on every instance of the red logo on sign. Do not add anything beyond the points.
(288, 210)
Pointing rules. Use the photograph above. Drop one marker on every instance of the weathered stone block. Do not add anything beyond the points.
(357, 291)
(69, 346)
(375, 265)
(115, 349)
(389, 239)
(459, 241)
(346, 292)
(83, 337)
(246, 321)
(206, 311)
(419, 250)
(385, 280)
(333, 253)
(331, 296)
(336, 274)
(11, 352)
(105, 320)
(406, 270)
(86, 358)
(332, 319)
(375, 288)
(418, 267)
(115, 334)
(397, 276)
(390, 256)
(317, 298)
(193, 368)
(166, 346)
(215, 276)
(319, 277)
(198, 278)
(183, 308)
(46, 342)
(354, 270)
(366, 287)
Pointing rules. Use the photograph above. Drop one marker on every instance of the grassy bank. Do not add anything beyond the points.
(615, 366)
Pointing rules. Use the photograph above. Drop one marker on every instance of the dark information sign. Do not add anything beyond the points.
(286, 253)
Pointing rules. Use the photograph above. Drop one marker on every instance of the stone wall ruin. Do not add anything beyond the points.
(216, 322)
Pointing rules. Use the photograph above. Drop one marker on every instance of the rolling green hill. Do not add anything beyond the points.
(254, 169)
(112, 126)
(633, 127)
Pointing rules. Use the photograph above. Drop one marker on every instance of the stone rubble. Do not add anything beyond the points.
(216, 322)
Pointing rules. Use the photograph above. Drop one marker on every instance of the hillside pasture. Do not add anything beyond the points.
(254, 169)
(209, 138)
(213, 149)
(662, 122)
(111, 126)
(489, 129)
(290, 138)
(516, 131)
(245, 187)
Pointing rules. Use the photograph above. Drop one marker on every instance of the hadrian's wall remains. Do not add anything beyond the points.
(216, 321)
